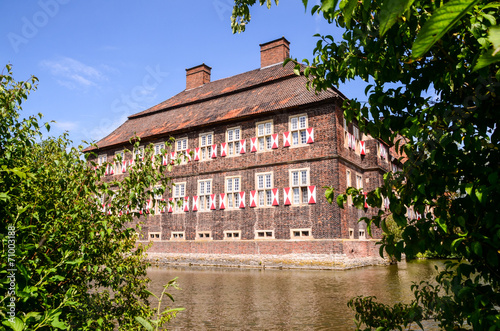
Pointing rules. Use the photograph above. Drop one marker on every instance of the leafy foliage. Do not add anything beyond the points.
(76, 265)
(404, 50)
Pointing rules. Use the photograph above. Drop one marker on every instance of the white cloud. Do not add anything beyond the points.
(72, 73)
(66, 126)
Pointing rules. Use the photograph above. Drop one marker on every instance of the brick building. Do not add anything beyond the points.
(261, 148)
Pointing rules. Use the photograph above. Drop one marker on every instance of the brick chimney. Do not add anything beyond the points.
(197, 76)
(273, 52)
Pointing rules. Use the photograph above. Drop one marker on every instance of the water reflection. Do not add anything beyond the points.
(240, 299)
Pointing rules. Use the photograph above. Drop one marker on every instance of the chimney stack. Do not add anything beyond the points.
(273, 52)
(197, 76)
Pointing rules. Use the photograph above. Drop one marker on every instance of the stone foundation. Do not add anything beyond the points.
(283, 254)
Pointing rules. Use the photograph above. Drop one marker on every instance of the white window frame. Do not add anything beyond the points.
(203, 235)
(178, 235)
(264, 131)
(206, 142)
(157, 198)
(264, 183)
(359, 182)
(118, 164)
(302, 233)
(181, 145)
(101, 159)
(178, 194)
(361, 233)
(204, 194)
(233, 192)
(264, 234)
(232, 235)
(351, 233)
(139, 151)
(233, 144)
(298, 129)
(154, 236)
(299, 186)
(348, 184)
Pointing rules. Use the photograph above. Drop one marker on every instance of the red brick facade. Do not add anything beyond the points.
(247, 103)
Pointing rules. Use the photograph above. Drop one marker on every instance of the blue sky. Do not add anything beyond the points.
(100, 61)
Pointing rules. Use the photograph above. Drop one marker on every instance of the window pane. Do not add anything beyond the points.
(260, 181)
(260, 129)
(236, 185)
(229, 185)
(236, 133)
(237, 147)
(304, 194)
(208, 186)
(269, 198)
(268, 128)
(296, 196)
(184, 144)
(295, 138)
(268, 142)
(268, 181)
(230, 148)
(209, 139)
(230, 135)
(294, 123)
(183, 190)
(261, 198)
(176, 193)
(261, 144)
(203, 141)
(230, 200)
(236, 200)
(303, 179)
(303, 139)
(295, 178)
(202, 188)
(302, 122)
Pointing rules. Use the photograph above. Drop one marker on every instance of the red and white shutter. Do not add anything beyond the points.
(212, 201)
(253, 144)
(195, 203)
(109, 209)
(287, 139)
(387, 203)
(243, 146)
(170, 209)
(188, 155)
(275, 195)
(214, 152)
(310, 135)
(366, 204)
(165, 159)
(223, 149)
(311, 194)
(124, 166)
(148, 206)
(419, 216)
(172, 157)
(253, 199)
(222, 201)
(186, 203)
(363, 148)
(106, 170)
(242, 199)
(197, 154)
(287, 196)
(274, 141)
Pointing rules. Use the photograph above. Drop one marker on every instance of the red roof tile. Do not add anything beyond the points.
(257, 91)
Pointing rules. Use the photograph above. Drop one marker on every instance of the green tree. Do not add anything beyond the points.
(69, 259)
(403, 49)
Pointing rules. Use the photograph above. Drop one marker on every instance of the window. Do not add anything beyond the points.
(139, 151)
(345, 124)
(206, 141)
(264, 184)
(264, 234)
(232, 192)
(348, 184)
(181, 146)
(179, 193)
(300, 233)
(233, 141)
(159, 205)
(119, 157)
(362, 234)
(264, 132)
(204, 191)
(351, 233)
(177, 235)
(101, 159)
(204, 235)
(232, 235)
(298, 126)
(355, 132)
(299, 180)
(359, 182)
(154, 236)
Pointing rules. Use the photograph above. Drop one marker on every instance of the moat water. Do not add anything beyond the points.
(246, 299)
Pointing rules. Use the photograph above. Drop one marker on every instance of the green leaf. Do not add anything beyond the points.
(390, 11)
(468, 188)
(144, 323)
(442, 20)
(347, 7)
(477, 248)
(494, 38)
(442, 224)
(18, 325)
(486, 59)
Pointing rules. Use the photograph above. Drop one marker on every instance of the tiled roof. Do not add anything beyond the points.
(257, 91)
